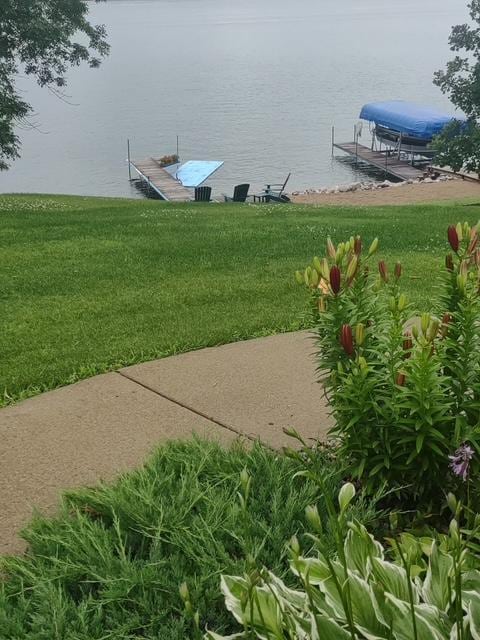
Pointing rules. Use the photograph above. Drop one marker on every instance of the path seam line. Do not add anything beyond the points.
(219, 423)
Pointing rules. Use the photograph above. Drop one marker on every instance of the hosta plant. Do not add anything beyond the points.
(404, 388)
(361, 593)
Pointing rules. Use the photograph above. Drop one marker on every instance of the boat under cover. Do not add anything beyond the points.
(409, 119)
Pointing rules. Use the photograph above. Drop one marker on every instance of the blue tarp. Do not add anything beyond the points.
(407, 117)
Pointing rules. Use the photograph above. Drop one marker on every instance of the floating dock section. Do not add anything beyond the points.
(384, 160)
(160, 181)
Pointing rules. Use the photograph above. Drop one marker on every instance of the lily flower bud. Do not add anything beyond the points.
(459, 230)
(335, 279)
(373, 247)
(346, 339)
(314, 278)
(340, 253)
(362, 363)
(360, 334)
(398, 270)
(466, 230)
(352, 268)
(461, 283)
(382, 268)
(446, 320)
(453, 238)
(299, 277)
(331, 248)
(449, 262)
(433, 329)
(400, 380)
(473, 244)
(317, 264)
(325, 269)
(425, 322)
(357, 245)
(402, 302)
(306, 275)
(392, 304)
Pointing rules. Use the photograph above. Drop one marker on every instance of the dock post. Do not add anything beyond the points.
(128, 160)
(355, 137)
(333, 138)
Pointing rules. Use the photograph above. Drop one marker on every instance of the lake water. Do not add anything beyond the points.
(256, 83)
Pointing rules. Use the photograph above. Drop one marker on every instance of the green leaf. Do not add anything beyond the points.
(393, 578)
(436, 588)
(328, 629)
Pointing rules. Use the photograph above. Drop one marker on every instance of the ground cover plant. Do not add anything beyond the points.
(91, 284)
(427, 589)
(405, 391)
(111, 563)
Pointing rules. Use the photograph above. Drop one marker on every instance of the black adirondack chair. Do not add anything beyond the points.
(203, 194)
(240, 193)
(273, 193)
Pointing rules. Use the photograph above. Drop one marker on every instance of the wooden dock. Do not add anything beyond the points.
(158, 179)
(390, 164)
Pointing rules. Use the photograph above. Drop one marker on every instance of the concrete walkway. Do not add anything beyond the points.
(97, 428)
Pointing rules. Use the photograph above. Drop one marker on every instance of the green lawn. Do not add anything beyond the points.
(90, 284)
(109, 565)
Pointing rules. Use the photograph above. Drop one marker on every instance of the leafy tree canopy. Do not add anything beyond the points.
(41, 38)
(458, 145)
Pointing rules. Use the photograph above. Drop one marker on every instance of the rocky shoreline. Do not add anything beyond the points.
(372, 186)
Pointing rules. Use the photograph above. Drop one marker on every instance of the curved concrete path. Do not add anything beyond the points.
(97, 428)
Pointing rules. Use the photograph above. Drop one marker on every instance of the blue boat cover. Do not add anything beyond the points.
(194, 172)
(408, 117)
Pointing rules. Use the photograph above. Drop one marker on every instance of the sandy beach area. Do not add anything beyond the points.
(453, 190)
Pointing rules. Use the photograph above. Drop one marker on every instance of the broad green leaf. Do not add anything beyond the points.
(393, 579)
(210, 635)
(431, 623)
(436, 587)
(359, 547)
(473, 615)
(364, 608)
(328, 629)
(235, 590)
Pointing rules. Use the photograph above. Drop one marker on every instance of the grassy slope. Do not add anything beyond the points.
(109, 566)
(90, 284)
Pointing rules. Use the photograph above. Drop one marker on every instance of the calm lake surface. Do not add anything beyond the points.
(256, 83)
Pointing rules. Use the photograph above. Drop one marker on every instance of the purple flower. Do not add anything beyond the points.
(460, 461)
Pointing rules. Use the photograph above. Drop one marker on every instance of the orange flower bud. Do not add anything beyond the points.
(382, 268)
(357, 245)
(400, 379)
(335, 279)
(331, 248)
(453, 238)
(346, 339)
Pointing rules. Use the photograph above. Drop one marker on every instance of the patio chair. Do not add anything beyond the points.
(240, 193)
(203, 194)
(274, 192)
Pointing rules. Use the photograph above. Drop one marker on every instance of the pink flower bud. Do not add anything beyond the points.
(453, 238)
(346, 339)
(335, 279)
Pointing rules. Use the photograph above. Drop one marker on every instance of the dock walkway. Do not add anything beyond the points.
(158, 179)
(390, 164)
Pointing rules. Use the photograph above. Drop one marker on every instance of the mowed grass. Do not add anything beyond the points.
(110, 564)
(91, 284)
